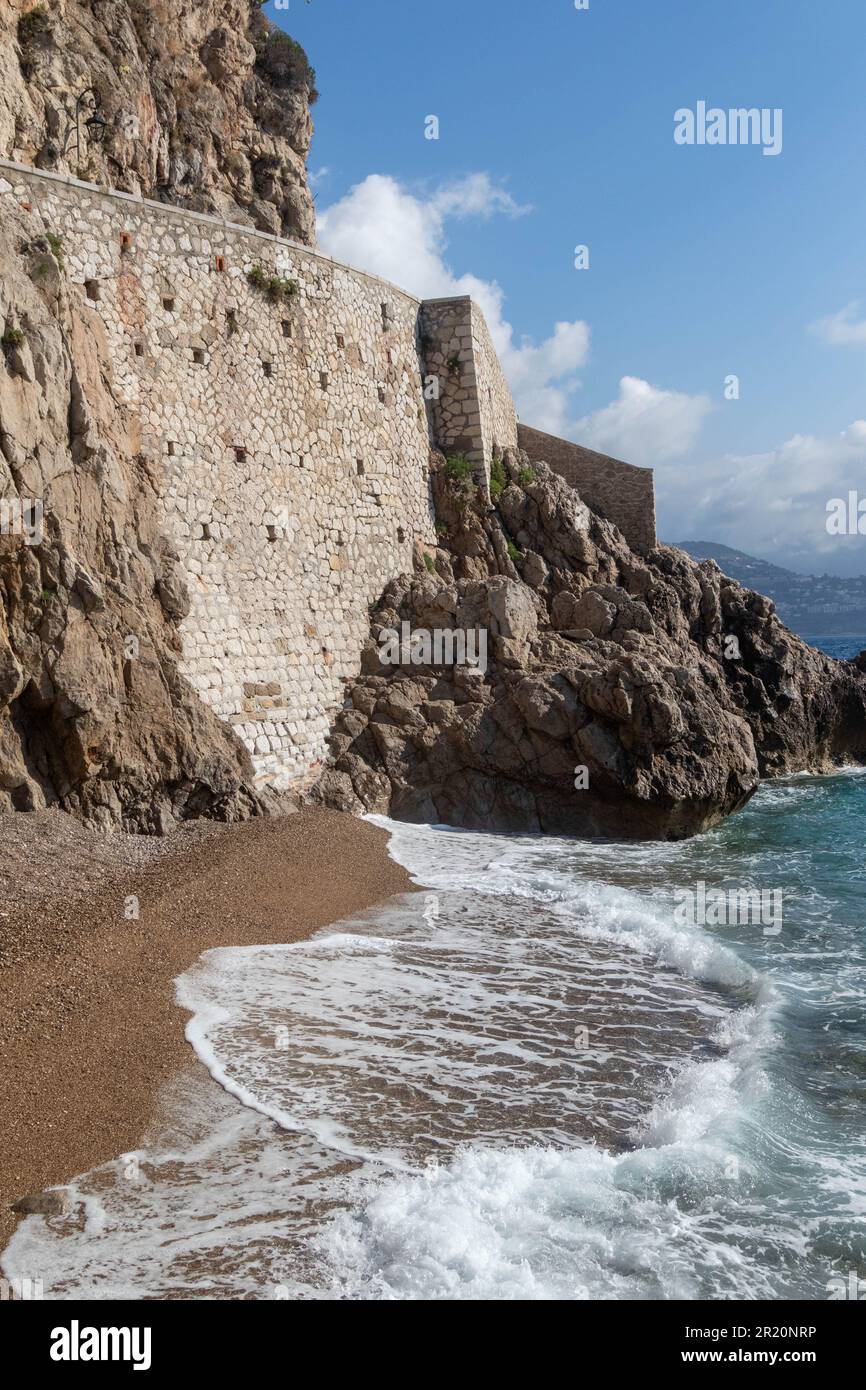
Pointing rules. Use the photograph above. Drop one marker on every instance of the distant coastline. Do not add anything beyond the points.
(821, 605)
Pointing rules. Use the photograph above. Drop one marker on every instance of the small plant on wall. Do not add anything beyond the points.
(55, 243)
(277, 288)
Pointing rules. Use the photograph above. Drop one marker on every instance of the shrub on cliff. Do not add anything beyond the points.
(283, 61)
(498, 479)
(460, 472)
(33, 25)
(458, 468)
(33, 29)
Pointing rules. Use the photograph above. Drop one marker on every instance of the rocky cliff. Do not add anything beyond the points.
(624, 696)
(206, 105)
(94, 716)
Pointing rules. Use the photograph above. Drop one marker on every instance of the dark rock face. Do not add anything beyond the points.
(94, 716)
(624, 695)
(206, 106)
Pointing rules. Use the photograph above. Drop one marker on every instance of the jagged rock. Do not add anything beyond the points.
(601, 660)
(203, 108)
(52, 1202)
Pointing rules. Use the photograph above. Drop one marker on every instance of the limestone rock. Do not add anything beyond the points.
(54, 1201)
(603, 665)
(94, 716)
(206, 105)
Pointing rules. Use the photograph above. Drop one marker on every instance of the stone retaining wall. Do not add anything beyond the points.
(291, 436)
(616, 490)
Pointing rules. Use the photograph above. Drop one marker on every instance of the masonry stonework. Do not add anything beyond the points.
(290, 435)
(473, 413)
(618, 491)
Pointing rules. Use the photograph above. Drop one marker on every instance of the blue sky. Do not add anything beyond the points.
(556, 129)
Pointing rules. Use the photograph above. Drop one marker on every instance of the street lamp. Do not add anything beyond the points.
(95, 125)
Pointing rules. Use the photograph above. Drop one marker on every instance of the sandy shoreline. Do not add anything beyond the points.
(89, 1030)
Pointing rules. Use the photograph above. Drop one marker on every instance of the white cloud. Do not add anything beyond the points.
(382, 227)
(772, 504)
(644, 425)
(476, 195)
(843, 328)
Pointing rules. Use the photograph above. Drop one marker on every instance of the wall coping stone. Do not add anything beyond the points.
(209, 219)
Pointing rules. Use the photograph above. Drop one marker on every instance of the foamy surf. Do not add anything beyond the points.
(524, 1082)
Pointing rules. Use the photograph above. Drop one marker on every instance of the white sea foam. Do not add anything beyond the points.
(420, 1120)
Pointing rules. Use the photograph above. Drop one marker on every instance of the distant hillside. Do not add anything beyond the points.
(811, 605)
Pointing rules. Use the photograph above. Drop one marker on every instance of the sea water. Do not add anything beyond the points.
(528, 1080)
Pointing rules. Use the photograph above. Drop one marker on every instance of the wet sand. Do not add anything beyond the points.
(89, 1030)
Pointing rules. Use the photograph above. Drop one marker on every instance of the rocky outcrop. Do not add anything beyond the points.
(623, 696)
(206, 104)
(94, 716)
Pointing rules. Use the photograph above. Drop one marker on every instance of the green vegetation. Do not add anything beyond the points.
(460, 472)
(441, 528)
(514, 554)
(276, 287)
(428, 561)
(458, 468)
(282, 60)
(498, 479)
(13, 337)
(56, 244)
(526, 476)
